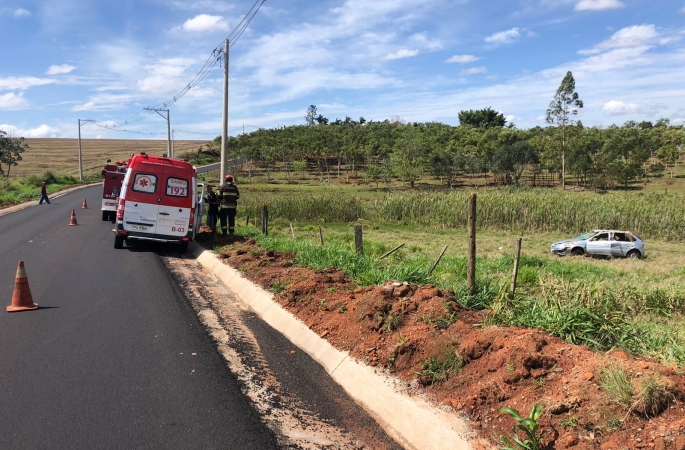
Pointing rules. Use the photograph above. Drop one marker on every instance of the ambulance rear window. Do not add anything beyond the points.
(145, 182)
(177, 187)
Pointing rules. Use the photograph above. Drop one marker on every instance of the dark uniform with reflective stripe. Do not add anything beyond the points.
(228, 196)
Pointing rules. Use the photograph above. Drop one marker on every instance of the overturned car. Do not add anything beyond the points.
(615, 243)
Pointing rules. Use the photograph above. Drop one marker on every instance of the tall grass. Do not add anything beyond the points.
(534, 210)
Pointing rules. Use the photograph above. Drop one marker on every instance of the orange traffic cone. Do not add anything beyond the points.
(21, 298)
(72, 221)
(85, 204)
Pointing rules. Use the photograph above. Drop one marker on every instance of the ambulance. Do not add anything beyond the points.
(160, 201)
(113, 175)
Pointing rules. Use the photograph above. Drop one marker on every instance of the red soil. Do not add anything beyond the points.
(501, 366)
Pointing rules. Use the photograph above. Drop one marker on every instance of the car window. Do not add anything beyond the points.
(630, 237)
(620, 237)
(145, 182)
(585, 237)
(600, 237)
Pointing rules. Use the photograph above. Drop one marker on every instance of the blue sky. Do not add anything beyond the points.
(421, 60)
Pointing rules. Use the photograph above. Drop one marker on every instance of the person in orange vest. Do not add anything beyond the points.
(228, 197)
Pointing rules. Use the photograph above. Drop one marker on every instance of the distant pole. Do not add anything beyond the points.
(80, 161)
(358, 242)
(172, 143)
(170, 150)
(320, 235)
(224, 127)
(80, 157)
(471, 267)
(265, 220)
(516, 267)
(292, 231)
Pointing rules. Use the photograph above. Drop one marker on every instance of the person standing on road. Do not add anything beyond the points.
(213, 210)
(43, 194)
(228, 197)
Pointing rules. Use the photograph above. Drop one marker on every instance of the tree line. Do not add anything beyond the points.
(11, 149)
(391, 149)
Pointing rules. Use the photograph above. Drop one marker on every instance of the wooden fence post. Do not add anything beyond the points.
(437, 260)
(392, 251)
(358, 243)
(471, 266)
(247, 220)
(265, 220)
(516, 267)
(291, 230)
(320, 235)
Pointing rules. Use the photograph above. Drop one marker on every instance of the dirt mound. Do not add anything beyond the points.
(421, 335)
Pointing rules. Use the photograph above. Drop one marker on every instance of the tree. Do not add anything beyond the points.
(11, 149)
(310, 118)
(565, 104)
(482, 118)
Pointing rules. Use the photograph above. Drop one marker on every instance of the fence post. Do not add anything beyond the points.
(471, 266)
(291, 230)
(358, 243)
(437, 260)
(516, 267)
(320, 235)
(265, 220)
(392, 251)
(247, 220)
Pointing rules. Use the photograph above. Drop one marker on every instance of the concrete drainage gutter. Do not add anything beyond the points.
(411, 421)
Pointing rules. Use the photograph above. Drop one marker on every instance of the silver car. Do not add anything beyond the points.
(615, 243)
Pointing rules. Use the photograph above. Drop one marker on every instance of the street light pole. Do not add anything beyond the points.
(169, 150)
(80, 157)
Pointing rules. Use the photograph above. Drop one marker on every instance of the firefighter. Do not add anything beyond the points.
(228, 197)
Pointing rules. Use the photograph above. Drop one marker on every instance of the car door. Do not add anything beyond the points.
(599, 244)
(175, 202)
(199, 207)
(618, 245)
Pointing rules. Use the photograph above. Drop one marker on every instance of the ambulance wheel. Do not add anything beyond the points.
(118, 242)
(105, 216)
(183, 247)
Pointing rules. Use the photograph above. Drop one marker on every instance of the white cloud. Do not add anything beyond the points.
(12, 101)
(104, 102)
(682, 10)
(41, 131)
(598, 5)
(204, 5)
(504, 37)
(400, 54)
(462, 59)
(618, 108)
(165, 76)
(19, 13)
(204, 23)
(22, 83)
(628, 37)
(473, 71)
(59, 70)
(421, 40)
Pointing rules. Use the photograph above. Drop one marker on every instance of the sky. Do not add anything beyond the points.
(415, 60)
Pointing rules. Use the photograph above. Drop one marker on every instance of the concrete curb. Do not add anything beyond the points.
(411, 421)
(57, 194)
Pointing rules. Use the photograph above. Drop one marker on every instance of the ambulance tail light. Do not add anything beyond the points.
(191, 223)
(120, 210)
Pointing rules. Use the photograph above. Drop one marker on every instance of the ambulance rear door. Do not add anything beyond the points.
(176, 201)
(141, 202)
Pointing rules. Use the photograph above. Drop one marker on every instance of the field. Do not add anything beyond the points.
(61, 155)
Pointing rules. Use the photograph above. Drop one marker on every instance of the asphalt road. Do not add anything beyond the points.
(115, 357)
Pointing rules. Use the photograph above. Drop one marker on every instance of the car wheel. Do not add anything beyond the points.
(634, 254)
(118, 242)
(577, 251)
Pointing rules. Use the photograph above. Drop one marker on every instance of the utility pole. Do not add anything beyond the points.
(224, 128)
(170, 151)
(80, 158)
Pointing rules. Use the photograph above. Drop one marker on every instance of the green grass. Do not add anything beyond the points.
(26, 189)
